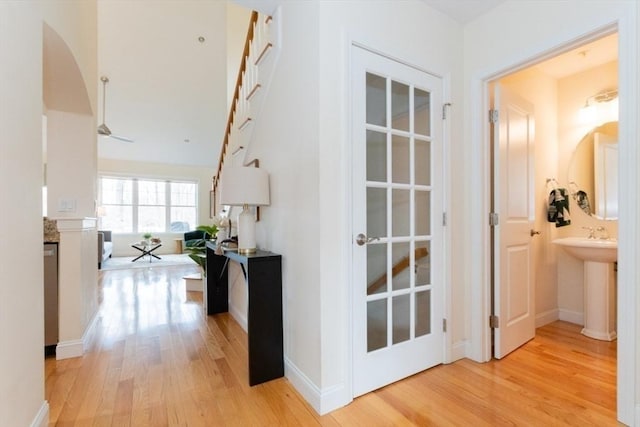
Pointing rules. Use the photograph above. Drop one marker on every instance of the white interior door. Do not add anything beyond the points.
(397, 221)
(514, 281)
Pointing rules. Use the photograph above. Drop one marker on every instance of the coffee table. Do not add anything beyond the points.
(146, 249)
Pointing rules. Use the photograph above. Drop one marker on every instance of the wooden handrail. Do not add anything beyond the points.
(236, 96)
(396, 269)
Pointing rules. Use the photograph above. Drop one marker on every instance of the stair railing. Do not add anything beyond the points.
(251, 79)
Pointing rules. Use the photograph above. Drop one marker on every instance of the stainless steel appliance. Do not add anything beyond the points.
(50, 294)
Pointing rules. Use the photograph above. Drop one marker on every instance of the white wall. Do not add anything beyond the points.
(71, 63)
(75, 23)
(70, 58)
(286, 143)
(237, 27)
(21, 293)
(306, 151)
(507, 36)
(71, 165)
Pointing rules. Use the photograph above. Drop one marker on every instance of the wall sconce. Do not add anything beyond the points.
(245, 186)
(600, 108)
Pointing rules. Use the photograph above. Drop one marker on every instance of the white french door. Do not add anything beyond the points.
(397, 220)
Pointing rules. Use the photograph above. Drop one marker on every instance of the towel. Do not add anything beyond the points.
(583, 201)
(558, 209)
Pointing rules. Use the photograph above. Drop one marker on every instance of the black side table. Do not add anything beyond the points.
(263, 273)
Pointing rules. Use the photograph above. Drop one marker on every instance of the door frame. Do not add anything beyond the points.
(628, 225)
(446, 202)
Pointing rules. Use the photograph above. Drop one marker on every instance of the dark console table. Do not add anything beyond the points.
(263, 273)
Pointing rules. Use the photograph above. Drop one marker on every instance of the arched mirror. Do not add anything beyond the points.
(593, 172)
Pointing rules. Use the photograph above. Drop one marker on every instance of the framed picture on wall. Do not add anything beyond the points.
(212, 204)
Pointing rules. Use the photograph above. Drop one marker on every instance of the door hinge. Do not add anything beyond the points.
(444, 110)
(444, 325)
(444, 219)
(494, 219)
(494, 321)
(493, 116)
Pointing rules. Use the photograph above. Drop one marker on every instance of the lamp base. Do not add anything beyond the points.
(247, 251)
(246, 231)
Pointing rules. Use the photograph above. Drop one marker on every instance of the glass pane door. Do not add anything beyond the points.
(398, 214)
(397, 284)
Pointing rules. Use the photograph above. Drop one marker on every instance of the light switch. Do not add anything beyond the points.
(66, 205)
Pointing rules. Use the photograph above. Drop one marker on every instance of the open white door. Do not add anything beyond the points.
(397, 221)
(514, 282)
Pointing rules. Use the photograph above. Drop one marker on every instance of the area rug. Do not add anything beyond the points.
(120, 263)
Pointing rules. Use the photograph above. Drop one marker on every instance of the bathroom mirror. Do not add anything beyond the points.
(594, 170)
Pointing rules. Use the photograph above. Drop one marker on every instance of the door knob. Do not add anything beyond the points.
(362, 239)
(533, 232)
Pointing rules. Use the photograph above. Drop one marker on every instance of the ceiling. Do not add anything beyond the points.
(167, 89)
(167, 69)
(463, 11)
(581, 58)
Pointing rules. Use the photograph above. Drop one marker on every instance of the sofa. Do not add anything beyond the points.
(105, 246)
(193, 238)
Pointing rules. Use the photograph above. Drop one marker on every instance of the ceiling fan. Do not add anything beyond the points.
(103, 129)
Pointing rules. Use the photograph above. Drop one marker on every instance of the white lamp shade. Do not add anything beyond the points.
(244, 186)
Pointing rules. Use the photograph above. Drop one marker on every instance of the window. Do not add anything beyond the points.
(133, 205)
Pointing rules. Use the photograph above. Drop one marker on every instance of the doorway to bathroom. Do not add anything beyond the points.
(546, 119)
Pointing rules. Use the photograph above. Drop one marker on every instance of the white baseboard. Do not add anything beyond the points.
(547, 317)
(194, 282)
(76, 348)
(69, 349)
(239, 317)
(571, 316)
(323, 401)
(42, 417)
(458, 350)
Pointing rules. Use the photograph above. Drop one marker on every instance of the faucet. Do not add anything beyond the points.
(604, 234)
(591, 232)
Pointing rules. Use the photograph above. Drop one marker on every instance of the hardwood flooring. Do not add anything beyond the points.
(156, 360)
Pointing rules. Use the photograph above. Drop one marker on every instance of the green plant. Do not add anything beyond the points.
(198, 251)
(147, 235)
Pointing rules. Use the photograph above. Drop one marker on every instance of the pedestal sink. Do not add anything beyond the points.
(599, 256)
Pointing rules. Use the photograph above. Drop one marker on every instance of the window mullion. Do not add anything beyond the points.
(134, 202)
(167, 206)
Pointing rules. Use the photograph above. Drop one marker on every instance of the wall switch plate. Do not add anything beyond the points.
(66, 205)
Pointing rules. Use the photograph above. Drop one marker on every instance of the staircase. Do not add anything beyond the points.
(256, 68)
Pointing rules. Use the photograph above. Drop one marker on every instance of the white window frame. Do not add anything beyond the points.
(135, 200)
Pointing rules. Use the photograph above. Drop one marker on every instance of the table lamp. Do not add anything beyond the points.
(245, 186)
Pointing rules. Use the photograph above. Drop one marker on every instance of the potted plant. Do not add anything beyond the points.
(147, 237)
(198, 251)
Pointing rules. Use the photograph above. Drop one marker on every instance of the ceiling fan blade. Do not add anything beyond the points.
(121, 138)
(104, 130)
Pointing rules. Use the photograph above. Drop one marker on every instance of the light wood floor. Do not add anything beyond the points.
(157, 361)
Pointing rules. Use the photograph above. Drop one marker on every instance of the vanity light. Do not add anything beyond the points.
(600, 108)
